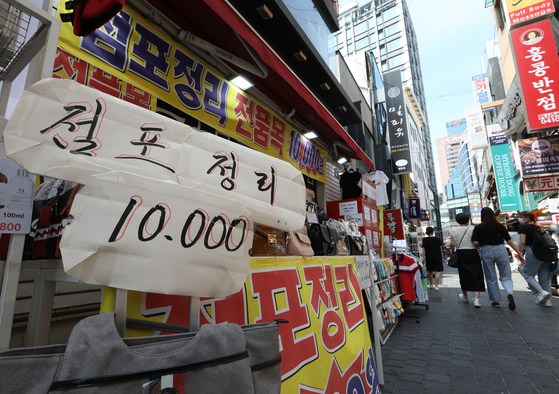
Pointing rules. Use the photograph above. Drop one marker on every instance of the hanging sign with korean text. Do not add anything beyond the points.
(536, 61)
(414, 208)
(324, 342)
(132, 59)
(393, 224)
(165, 208)
(397, 123)
(539, 156)
(480, 85)
(476, 126)
(522, 12)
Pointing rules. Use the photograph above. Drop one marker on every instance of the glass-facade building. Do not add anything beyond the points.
(383, 31)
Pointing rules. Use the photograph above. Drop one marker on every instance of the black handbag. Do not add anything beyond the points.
(321, 239)
(453, 259)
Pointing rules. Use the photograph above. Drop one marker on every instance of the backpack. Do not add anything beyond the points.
(544, 246)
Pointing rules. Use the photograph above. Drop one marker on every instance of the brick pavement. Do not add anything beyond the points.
(460, 349)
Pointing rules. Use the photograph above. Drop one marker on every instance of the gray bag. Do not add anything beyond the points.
(217, 359)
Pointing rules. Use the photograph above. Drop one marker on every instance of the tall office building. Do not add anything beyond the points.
(448, 152)
(382, 30)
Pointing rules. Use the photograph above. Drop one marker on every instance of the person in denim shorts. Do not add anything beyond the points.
(490, 236)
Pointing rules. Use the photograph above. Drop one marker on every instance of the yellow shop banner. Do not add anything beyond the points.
(131, 59)
(325, 343)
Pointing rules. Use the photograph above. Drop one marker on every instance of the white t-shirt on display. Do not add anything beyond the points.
(380, 180)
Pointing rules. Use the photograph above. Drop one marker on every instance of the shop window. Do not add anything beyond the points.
(499, 14)
(394, 44)
(361, 28)
(396, 61)
(362, 43)
(390, 13)
(391, 29)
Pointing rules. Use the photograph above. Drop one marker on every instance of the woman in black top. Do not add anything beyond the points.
(533, 265)
(433, 253)
(489, 236)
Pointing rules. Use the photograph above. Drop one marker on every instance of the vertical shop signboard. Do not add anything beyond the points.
(522, 12)
(393, 224)
(476, 126)
(397, 123)
(415, 208)
(474, 200)
(536, 61)
(480, 85)
(504, 173)
(131, 59)
(325, 342)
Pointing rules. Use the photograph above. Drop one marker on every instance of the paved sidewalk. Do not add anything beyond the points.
(461, 349)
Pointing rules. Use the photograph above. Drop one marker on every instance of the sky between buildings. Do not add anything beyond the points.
(451, 36)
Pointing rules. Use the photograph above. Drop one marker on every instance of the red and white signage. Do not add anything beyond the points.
(536, 61)
(522, 12)
(541, 184)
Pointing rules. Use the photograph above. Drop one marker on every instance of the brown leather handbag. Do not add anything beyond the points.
(269, 241)
(299, 243)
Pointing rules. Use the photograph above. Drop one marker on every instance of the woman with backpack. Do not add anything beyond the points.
(534, 266)
(490, 236)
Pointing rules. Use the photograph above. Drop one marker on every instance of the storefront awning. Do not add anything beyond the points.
(216, 21)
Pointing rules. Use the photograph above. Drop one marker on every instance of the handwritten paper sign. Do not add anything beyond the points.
(165, 208)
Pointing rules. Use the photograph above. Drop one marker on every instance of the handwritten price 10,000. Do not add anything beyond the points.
(199, 217)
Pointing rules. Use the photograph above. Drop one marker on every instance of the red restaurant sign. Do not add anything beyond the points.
(538, 67)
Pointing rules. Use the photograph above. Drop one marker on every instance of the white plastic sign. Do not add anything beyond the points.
(553, 205)
(363, 265)
(16, 198)
(348, 208)
(165, 208)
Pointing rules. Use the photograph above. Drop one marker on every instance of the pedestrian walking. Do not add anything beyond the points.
(490, 236)
(433, 256)
(470, 270)
(534, 266)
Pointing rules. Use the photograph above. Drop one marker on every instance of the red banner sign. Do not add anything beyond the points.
(393, 224)
(537, 60)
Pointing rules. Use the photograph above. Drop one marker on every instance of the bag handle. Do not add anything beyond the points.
(462, 239)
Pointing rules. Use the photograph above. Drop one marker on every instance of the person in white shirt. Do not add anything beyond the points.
(470, 270)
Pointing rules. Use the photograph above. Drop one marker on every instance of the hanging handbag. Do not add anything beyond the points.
(357, 245)
(245, 359)
(453, 259)
(319, 235)
(299, 243)
(269, 241)
(341, 237)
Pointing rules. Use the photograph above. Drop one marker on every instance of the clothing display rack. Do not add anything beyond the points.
(407, 304)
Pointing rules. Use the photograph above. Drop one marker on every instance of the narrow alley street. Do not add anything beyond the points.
(460, 349)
